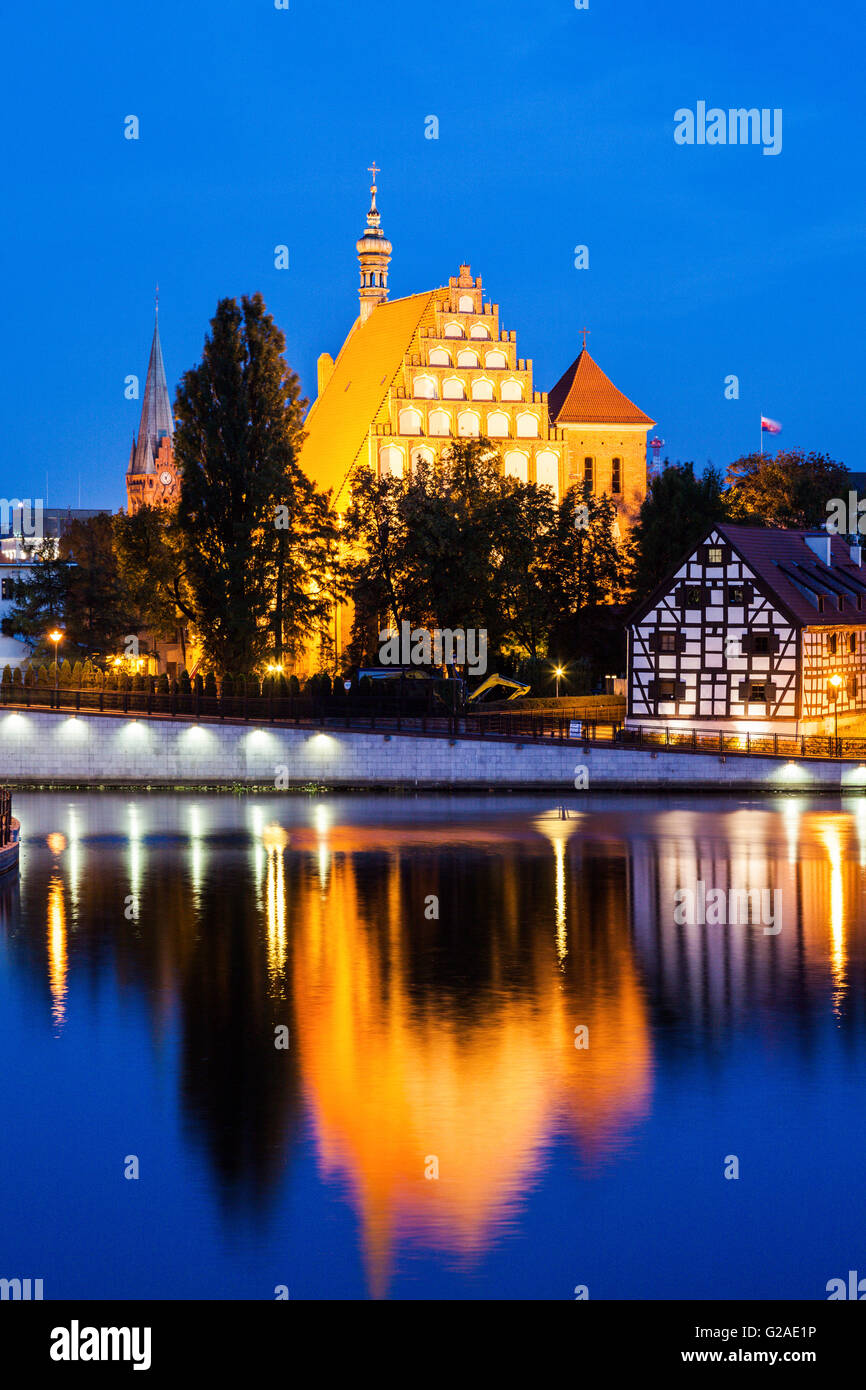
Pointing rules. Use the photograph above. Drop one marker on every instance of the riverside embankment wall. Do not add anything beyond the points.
(56, 749)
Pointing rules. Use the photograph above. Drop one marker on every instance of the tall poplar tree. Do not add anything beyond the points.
(245, 505)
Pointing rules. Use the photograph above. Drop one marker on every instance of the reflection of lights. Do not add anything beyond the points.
(57, 960)
(860, 821)
(792, 811)
(322, 819)
(558, 827)
(196, 853)
(833, 842)
(56, 842)
(275, 841)
(274, 837)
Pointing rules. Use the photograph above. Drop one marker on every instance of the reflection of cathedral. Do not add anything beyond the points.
(151, 478)
(450, 1037)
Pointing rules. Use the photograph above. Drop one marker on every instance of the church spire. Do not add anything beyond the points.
(374, 254)
(156, 418)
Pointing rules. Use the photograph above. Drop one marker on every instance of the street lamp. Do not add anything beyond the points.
(559, 673)
(56, 637)
(836, 681)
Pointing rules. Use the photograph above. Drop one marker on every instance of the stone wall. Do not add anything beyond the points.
(52, 749)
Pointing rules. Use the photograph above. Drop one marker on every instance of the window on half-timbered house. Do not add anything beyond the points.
(714, 555)
(694, 597)
(761, 643)
(831, 643)
(667, 690)
(852, 641)
(758, 691)
(667, 642)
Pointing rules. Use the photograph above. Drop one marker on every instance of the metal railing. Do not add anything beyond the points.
(371, 712)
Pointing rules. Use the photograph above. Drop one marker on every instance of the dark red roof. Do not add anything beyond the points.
(787, 566)
(585, 396)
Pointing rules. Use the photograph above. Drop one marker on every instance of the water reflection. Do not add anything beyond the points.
(435, 964)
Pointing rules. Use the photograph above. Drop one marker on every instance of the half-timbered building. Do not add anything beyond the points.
(756, 630)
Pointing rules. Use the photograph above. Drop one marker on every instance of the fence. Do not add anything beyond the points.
(372, 712)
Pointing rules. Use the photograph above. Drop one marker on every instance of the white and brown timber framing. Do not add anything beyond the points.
(747, 630)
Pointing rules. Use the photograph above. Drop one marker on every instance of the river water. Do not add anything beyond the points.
(433, 1047)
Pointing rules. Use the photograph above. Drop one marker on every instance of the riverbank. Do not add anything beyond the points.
(43, 750)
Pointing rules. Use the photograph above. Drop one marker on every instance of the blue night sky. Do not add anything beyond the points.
(556, 129)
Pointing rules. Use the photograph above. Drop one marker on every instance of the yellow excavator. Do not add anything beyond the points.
(492, 682)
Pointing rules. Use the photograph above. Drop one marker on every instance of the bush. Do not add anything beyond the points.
(282, 687)
(88, 675)
(42, 677)
(17, 679)
(294, 685)
(140, 682)
(210, 685)
(98, 679)
(162, 686)
(7, 675)
(183, 681)
(198, 685)
(65, 674)
(110, 680)
(122, 679)
(77, 675)
(30, 675)
(228, 685)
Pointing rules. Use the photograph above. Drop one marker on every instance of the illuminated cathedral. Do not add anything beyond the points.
(418, 372)
(151, 476)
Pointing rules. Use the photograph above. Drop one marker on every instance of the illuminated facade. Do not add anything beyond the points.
(416, 373)
(758, 629)
(152, 477)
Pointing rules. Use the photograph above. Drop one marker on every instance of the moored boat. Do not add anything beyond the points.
(10, 830)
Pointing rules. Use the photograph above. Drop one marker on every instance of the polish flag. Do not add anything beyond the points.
(770, 426)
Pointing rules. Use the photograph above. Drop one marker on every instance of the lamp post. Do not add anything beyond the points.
(559, 673)
(835, 682)
(56, 637)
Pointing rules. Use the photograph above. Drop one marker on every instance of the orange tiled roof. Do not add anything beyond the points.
(585, 396)
(369, 361)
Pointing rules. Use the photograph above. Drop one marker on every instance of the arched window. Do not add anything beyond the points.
(589, 473)
(482, 389)
(424, 387)
(496, 358)
(421, 454)
(527, 426)
(467, 357)
(547, 471)
(391, 460)
(439, 422)
(517, 466)
(454, 330)
(479, 330)
(469, 423)
(453, 389)
(616, 476)
(511, 390)
(409, 421)
(440, 357)
(466, 304)
(497, 424)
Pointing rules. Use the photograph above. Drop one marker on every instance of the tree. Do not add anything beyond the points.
(149, 553)
(675, 513)
(583, 574)
(791, 489)
(255, 534)
(39, 600)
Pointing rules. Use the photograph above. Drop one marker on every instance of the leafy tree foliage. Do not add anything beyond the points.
(790, 489)
(675, 513)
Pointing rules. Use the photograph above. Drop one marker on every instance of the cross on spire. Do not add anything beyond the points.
(584, 331)
(374, 170)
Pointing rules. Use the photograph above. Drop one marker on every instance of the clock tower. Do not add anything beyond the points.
(152, 478)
